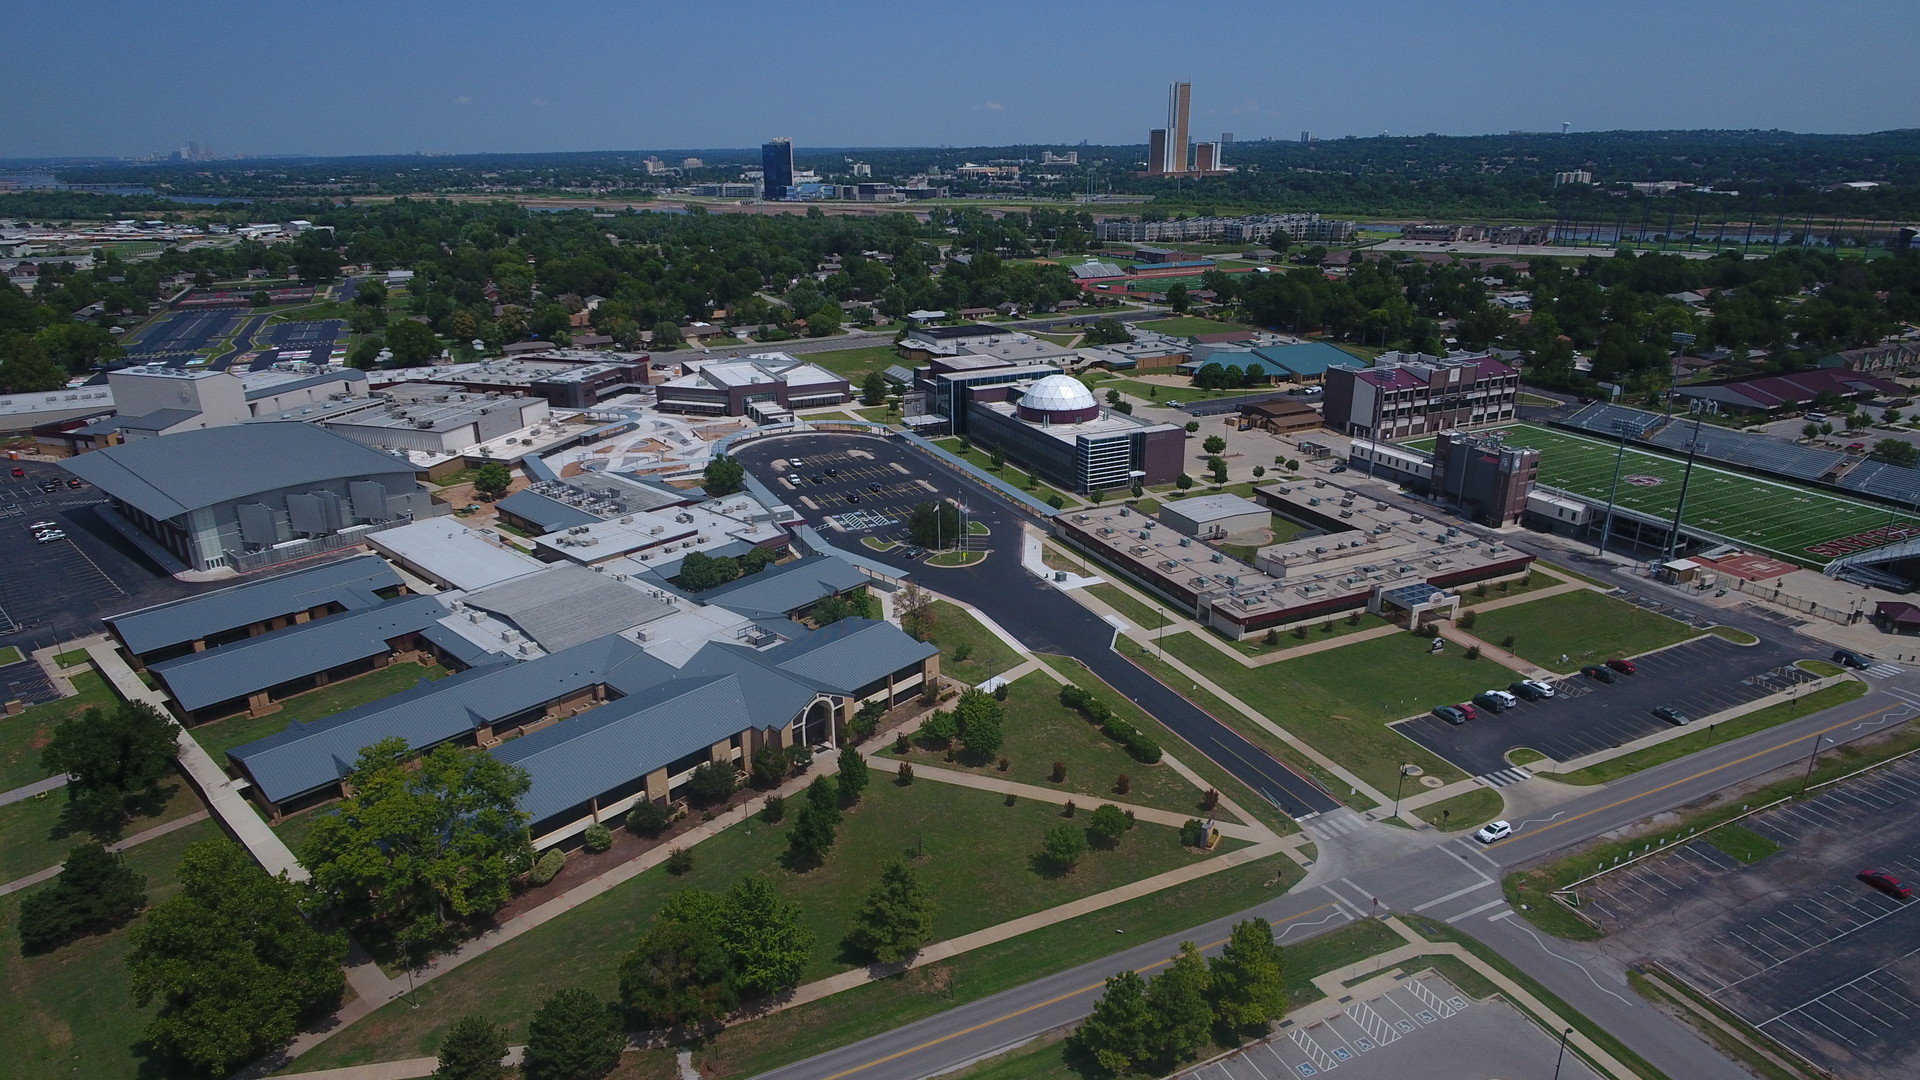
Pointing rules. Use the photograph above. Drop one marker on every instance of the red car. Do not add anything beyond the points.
(19, 472)
(1886, 883)
(1624, 667)
(1468, 711)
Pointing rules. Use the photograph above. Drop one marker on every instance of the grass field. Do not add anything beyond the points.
(978, 862)
(855, 363)
(37, 833)
(1186, 325)
(968, 651)
(1585, 627)
(1146, 618)
(1469, 811)
(1339, 701)
(1769, 516)
(22, 737)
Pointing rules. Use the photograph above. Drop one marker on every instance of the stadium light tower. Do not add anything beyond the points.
(1686, 478)
(1620, 428)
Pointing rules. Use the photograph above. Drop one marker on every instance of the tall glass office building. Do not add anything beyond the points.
(776, 168)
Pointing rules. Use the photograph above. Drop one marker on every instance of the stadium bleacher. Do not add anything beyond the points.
(1894, 482)
(1751, 451)
(1601, 420)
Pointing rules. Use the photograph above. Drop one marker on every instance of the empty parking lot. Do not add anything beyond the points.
(1793, 943)
(1700, 677)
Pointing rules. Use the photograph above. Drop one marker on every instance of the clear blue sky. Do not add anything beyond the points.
(348, 77)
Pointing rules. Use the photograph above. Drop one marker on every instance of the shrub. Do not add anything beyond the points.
(1124, 784)
(1327, 627)
(1507, 642)
(1353, 619)
(905, 774)
(1272, 637)
(548, 866)
(711, 783)
(597, 838)
(1059, 771)
(902, 744)
(774, 810)
(1210, 800)
(1003, 765)
(1069, 810)
(1192, 833)
(1000, 692)
(962, 651)
(1473, 652)
(1480, 589)
(1300, 632)
(1466, 620)
(800, 756)
(770, 766)
(648, 818)
(679, 862)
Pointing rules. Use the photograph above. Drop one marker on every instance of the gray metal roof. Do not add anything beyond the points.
(306, 757)
(350, 582)
(783, 590)
(586, 756)
(849, 654)
(169, 476)
(200, 679)
(1204, 508)
(567, 604)
(551, 515)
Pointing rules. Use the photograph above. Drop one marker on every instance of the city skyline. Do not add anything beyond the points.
(424, 83)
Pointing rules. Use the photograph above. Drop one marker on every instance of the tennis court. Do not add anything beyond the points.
(1811, 528)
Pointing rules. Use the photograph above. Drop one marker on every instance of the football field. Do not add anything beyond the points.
(1808, 527)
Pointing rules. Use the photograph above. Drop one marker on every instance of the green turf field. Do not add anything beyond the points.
(1764, 515)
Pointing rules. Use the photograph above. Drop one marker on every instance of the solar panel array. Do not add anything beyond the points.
(1601, 419)
(1887, 481)
(1751, 451)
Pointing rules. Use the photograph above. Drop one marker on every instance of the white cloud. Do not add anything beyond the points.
(991, 106)
(463, 100)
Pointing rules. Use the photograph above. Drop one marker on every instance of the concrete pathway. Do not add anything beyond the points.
(1032, 547)
(28, 791)
(154, 833)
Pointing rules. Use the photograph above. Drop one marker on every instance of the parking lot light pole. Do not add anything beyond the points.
(1811, 758)
(1397, 787)
(1564, 1032)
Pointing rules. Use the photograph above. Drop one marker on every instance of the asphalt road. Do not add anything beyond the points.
(1040, 616)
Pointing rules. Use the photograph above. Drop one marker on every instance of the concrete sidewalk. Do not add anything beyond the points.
(28, 791)
(154, 833)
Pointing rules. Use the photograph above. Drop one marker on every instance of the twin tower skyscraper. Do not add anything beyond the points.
(1168, 148)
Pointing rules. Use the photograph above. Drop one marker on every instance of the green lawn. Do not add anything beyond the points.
(1334, 626)
(1062, 340)
(22, 737)
(71, 659)
(878, 414)
(1130, 609)
(1742, 843)
(68, 1013)
(1820, 668)
(853, 364)
(1041, 731)
(1340, 701)
(1705, 735)
(1585, 627)
(979, 861)
(36, 833)
(10, 655)
(956, 558)
(1187, 326)
(1010, 473)
(1500, 590)
(1469, 811)
(220, 736)
(957, 632)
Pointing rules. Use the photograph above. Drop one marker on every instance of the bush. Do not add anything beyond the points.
(1138, 743)
(904, 775)
(1191, 833)
(1300, 632)
(1210, 800)
(679, 862)
(800, 757)
(962, 651)
(774, 810)
(1466, 620)
(1001, 691)
(548, 866)
(1059, 771)
(1273, 636)
(1003, 765)
(1069, 810)
(712, 783)
(648, 818)
(597, 838)
(1473, 652)
(1507, 642)
(902, 744)
(1123, 785)
(770, 766)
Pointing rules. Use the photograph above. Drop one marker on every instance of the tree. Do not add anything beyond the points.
(1214, 444)
(712, 782)
(422, 844)
(916, 610)
(811, 835)
(997, 458)
(1183, 481)
(896, 918)
(366, 352)
(493, 479)
(873, 388)
(572, 1036)
(854, 775)
(1107, 332)
(94, 892)
(934, 524)
(1108, 824)
(981, 721)
(1120, 1031)
(1177, 298)
(700, 571)
(1178, 1001)
(1063, 845)
(370, 293)
(679, 973)
(25, 368)
(823, 323)
(412, 343)
(769, 766)
(1895, 452)
(1249, 977)
(768, 942)
(666, 335)
(648, 818)
(1193, 426)
(232, 962)
(472, 1050)
(114, 759)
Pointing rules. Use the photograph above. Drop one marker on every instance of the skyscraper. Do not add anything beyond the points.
(1179, 99)
(1156, 151)
(776, 168)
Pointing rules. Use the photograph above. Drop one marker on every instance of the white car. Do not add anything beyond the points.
(1492, 831)
(49, 536)
(1544, 689)
(42, 526)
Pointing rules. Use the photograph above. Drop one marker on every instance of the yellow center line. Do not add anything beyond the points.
(984, 1024)
(1689, 779)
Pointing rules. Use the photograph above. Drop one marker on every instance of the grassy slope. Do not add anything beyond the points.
(1584, 626)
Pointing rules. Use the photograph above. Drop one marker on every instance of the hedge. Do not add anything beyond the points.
(1138, 743)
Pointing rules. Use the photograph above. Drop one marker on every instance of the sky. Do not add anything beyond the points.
(133, 77)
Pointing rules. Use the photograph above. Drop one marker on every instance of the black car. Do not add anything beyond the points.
(852, 498)
(1849, 658)
(833, 472)
(1451, 714)
(1600, 672)
(875, 488)
(1671, 715)
(1525, 691)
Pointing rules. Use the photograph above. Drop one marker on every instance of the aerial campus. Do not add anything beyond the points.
(1178, 606)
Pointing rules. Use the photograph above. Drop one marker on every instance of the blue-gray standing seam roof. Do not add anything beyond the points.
(351, 582)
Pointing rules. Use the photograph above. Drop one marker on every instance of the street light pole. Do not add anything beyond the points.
(1811, 758)
(1397, 789)
(1563, 1052)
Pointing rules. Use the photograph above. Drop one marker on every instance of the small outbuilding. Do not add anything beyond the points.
(1213, 516)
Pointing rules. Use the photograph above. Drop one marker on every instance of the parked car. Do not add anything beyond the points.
(1849, 658)
(1498, 701)
(1471, 712)
(19, 472)
(1671, 715)
(853, 497)
(1598, 671)
(50, 536)
(1450, 714)
(1624, 667)
(833, 472)
(1493, 831)
(39, 526)
(76, 482)
(796, 463)
(1532, 689)
(874, 487)
(794, 479)
(1886, 883)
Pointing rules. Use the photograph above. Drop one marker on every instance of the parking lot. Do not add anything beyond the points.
(1423, 1027)
(1793, 943)
(176, 338)
(58, 591)
(312, 342)
(866, 497)
(1699, 677)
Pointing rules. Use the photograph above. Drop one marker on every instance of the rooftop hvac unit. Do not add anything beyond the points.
(702, 538)
(656, 530)
(1217, 557)
(1313, 501)
(525, 649)
(1123, 511)
(1186, 541)
(473, 616)
(642, 634)
(1346, 513)
(1141, 549)
(599, 569)
(1320, 550)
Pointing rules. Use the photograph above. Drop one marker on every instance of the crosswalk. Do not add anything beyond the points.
(1883, 671)
(1505, 777)
(1333, 823)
